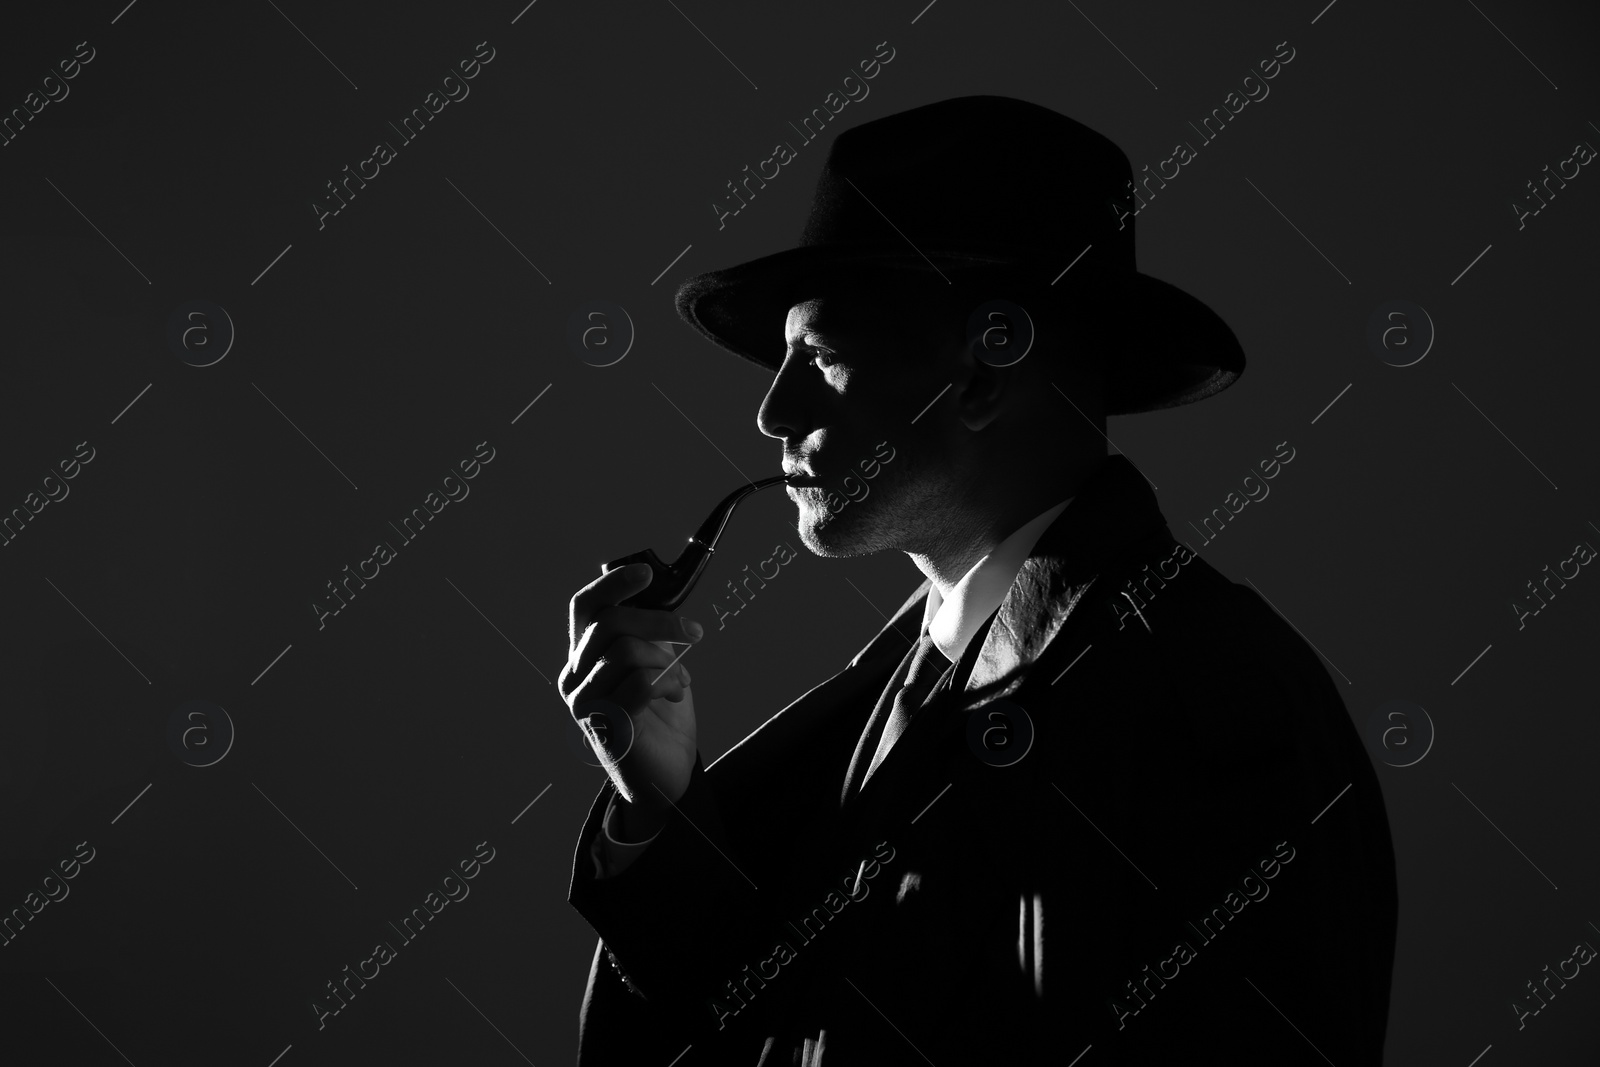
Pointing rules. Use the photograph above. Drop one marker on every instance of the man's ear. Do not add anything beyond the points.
(981, 388)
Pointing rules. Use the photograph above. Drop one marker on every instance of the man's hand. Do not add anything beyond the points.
(620, 654)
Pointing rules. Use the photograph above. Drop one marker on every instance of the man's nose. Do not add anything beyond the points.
(785, 412)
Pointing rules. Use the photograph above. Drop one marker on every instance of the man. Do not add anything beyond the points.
(1107, 803)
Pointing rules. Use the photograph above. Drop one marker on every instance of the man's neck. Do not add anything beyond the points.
(978, 526)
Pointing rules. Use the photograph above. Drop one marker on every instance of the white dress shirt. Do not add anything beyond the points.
(951, 622)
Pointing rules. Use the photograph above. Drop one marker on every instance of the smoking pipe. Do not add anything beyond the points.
(671, 582)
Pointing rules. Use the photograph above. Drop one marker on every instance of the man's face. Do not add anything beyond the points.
(856, 373)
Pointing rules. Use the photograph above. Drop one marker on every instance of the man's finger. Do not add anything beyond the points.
(604, 591)
(614, 622)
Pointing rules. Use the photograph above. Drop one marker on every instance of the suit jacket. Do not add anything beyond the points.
(1142, 824)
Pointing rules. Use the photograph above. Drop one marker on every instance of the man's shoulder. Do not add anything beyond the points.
(1219, 656)
(1187, 640)
(1195, 603)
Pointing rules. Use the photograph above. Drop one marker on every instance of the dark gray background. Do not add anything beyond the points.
(417, 724)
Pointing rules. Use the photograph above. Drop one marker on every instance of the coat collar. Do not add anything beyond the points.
(1113, 512)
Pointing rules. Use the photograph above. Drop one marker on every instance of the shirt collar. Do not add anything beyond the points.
(952, 622)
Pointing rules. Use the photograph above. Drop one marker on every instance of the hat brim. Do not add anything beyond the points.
(1174, 349)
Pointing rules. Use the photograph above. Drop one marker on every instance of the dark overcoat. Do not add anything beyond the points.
(1135, 823)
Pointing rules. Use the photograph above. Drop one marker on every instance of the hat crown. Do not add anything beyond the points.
(975, 174)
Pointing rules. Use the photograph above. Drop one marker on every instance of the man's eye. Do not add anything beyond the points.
(823, 358)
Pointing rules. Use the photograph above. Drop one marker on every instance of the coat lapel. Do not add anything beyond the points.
(1113, 515)
(747, 768)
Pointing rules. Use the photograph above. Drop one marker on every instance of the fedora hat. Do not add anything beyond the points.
(987, 194)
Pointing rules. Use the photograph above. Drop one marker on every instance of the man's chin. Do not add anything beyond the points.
(850, 532)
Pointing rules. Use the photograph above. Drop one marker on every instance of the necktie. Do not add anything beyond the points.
(928, 665)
